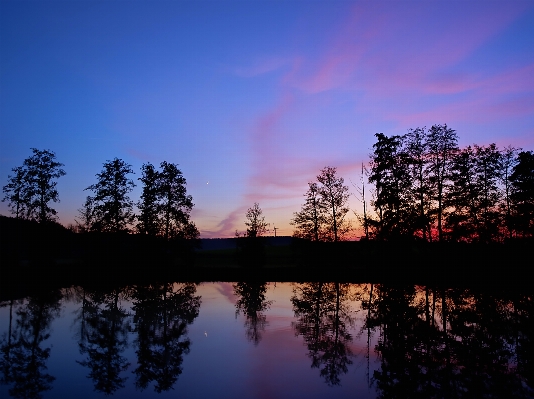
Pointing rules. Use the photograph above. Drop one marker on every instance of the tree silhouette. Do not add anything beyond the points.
(310, 221)
(255, 222)
(420, 193)
(32, 187)
(165, 206)
(488, 170)
(392, 179)
(474, 194)
(508, 162)
(425, 186)
(176, 205)
(442, 143)
(85, 218)
(16, 192)
(149, 222)
(334, 195)
(112, 208)
(522, 196)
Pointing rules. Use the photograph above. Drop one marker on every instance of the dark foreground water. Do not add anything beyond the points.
(267, 340)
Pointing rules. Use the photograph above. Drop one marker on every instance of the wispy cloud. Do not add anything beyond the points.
(405, 64)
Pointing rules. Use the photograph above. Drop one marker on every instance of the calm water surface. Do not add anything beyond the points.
(266, 340)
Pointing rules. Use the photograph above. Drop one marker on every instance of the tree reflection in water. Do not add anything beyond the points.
(474, 349)
(323, 319)
(104, 337)
(23, 361)
(162, 313)
(252, 302)
(431, 342)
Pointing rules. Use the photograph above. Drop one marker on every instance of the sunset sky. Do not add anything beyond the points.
(254, 97)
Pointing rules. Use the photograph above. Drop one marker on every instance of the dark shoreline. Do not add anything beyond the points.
(34, 255)
(23, 279)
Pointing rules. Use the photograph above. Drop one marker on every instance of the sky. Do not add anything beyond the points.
(253, 98)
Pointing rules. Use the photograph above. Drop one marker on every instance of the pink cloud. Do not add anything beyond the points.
(395, 60)
(227, 226)
(517, 80)
(387, 49)
(476, 109)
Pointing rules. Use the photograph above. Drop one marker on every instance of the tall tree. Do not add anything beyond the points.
(442, 144)
(255, 222)
(522, 197)
(165, 206)
(113, 208)
(41, 170)
(176, 205)
(335, 195)
(16, 192)
(508, 162)
(474, 196)
(416, 150)
(488, 170)
(310, 221)
(392, 179)
(33, 186)
(463, 197)
(149, 222)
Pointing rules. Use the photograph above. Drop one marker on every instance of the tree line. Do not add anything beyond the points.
(424, 186)
(164, 207)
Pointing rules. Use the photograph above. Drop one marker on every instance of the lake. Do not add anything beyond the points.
(267, 340)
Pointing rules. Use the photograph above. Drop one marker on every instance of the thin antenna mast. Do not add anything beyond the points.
(365, 225)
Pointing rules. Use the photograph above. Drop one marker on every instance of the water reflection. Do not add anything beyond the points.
(252, 303)
(401, 340)
(471, 348)
(104, 337)
(323, 314)
(24, 356)
(162, 313)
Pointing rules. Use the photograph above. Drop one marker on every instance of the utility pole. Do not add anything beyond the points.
(275, 228)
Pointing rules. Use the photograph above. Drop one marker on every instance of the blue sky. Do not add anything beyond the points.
(254, 97)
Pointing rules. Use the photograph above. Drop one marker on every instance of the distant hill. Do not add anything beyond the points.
(210, 244)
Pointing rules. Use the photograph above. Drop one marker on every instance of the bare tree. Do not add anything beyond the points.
(255, 223)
